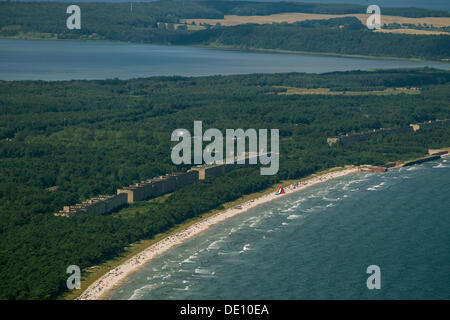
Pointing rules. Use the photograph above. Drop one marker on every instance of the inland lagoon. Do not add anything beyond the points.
(74, 60)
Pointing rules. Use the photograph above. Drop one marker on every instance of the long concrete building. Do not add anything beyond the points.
(147, 189)
(158, 186)
(213, 170)
(218, 169)
(98, 205)
(361, 136)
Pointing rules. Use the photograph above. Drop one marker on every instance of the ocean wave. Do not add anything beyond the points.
(233, 230)
(215, 245)
(139, 293)
(376, 187)
(348, 184)
(172, 261)
(159, 276)
(230, 253)
(313, 209)
(299, 200)
(182, 289)
(331, 199)
(245, 248)
(189, 260)
(204, 271)
(414, 168)
(323, 192)
(293, 216)
(440, 165)
(267, 215)
(295, 206)
(358, 180)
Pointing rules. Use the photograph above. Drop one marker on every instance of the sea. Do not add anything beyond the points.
(318, 244)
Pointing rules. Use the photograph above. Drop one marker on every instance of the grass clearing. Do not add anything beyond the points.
(233, 20)
(412, 31)
(327, 91)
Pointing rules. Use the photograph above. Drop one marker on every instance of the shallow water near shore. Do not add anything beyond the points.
(317, 244)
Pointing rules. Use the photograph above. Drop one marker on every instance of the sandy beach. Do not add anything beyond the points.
(111, 279)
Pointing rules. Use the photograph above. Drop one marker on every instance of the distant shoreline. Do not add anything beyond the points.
(235, 48)
(329, 54)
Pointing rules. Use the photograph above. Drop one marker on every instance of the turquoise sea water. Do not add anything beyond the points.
(318, 243)
(68, 60)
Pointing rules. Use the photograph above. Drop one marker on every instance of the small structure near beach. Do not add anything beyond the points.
(280, 190)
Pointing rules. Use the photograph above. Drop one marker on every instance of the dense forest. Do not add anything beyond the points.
(316, 36)
(161, 22)
(90, 137)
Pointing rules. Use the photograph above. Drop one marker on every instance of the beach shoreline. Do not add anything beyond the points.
(103, 286)
(221, 47)
(100, 289)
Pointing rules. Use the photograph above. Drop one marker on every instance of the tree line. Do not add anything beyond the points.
(160, 22)
(91, 137)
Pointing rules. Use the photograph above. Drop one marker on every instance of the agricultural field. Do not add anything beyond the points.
(234, 20)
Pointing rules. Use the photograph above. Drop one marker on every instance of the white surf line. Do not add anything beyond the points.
(112, 278)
